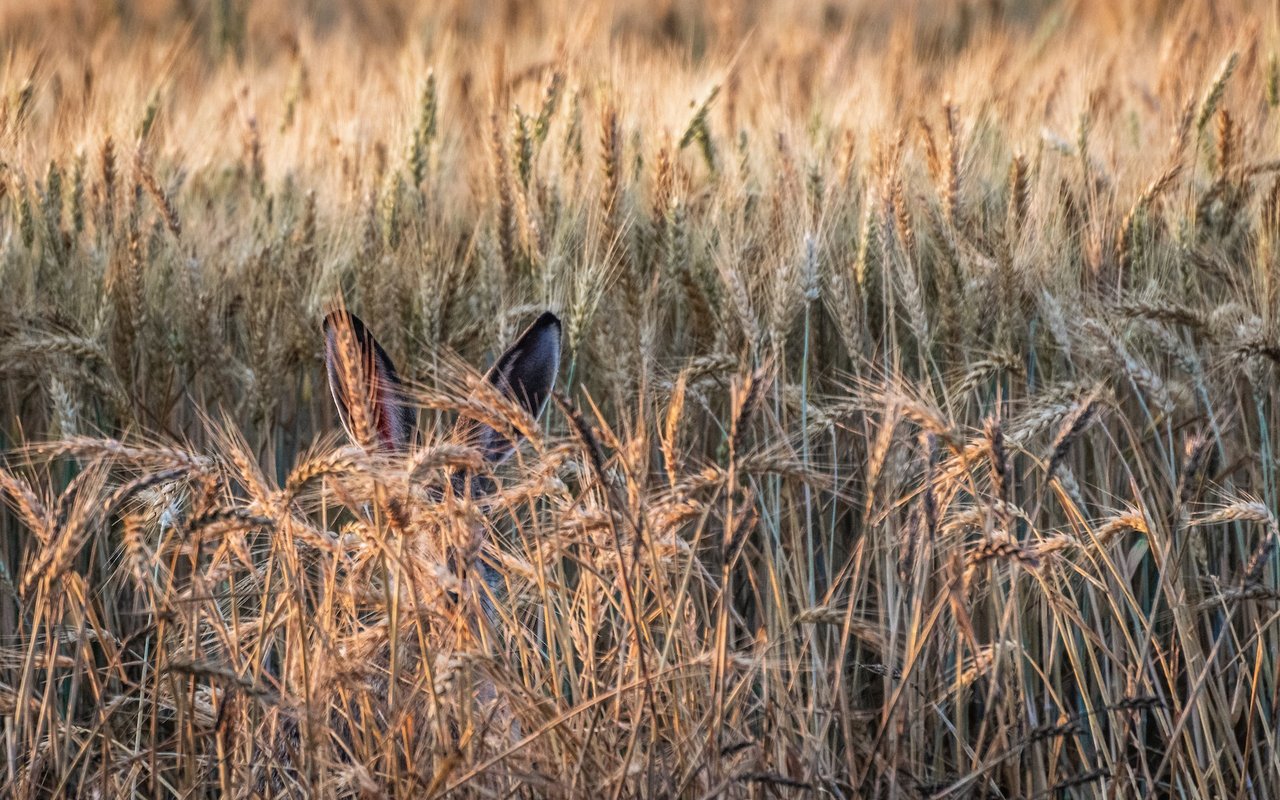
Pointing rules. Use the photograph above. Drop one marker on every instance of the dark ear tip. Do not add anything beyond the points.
(346, 318)
(545, 330)
(547, 320)
(339, 317)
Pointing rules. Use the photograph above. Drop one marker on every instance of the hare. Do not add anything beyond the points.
(374, 409)
(525, 373)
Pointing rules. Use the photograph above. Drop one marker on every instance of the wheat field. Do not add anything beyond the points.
(912, 436)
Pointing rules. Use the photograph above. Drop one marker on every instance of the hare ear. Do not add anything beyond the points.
(361, 374)
(526, 373)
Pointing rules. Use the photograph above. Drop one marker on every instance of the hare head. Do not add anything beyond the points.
(376, 412)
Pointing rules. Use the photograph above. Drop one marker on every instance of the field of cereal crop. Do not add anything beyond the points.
(914, 421)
